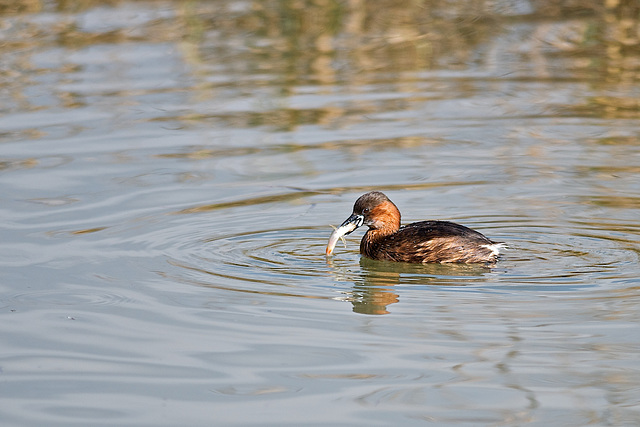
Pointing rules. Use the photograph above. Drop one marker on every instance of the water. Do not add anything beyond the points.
(169, 172)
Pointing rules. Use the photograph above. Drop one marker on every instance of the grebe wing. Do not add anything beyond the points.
(442, 229)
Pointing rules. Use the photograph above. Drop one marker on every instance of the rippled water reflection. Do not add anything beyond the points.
(169, 172)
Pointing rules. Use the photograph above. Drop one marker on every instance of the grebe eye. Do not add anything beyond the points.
(365, 210)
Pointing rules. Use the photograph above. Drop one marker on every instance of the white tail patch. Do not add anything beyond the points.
(495, 248)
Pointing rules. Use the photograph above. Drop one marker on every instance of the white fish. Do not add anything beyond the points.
(353, 222)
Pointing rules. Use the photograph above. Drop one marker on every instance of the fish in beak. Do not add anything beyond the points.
(353, 222)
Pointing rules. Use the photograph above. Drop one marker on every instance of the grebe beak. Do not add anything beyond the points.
(353, 222)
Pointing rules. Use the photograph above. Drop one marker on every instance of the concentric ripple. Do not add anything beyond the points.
(574, 254)
(283, 260)
(291, 261)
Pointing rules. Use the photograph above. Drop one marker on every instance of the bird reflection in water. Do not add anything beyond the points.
(373, 291)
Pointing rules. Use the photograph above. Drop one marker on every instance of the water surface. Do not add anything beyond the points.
(169, 172)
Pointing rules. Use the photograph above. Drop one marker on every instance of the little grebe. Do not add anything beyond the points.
(420, 242)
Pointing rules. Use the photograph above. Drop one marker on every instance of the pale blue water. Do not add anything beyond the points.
(169, 172)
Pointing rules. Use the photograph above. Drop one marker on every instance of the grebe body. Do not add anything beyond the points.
(420, 242)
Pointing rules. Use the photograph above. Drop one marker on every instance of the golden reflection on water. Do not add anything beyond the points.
(300, 193)
(352, 43)
(615, 201)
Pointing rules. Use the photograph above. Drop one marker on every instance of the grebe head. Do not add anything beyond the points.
(372, 209)
(377, 211)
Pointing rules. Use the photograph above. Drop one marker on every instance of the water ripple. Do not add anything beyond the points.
(66, 298)
(279, 261)
(291, 261)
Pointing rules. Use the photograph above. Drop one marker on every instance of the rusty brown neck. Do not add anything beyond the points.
(385, 220)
